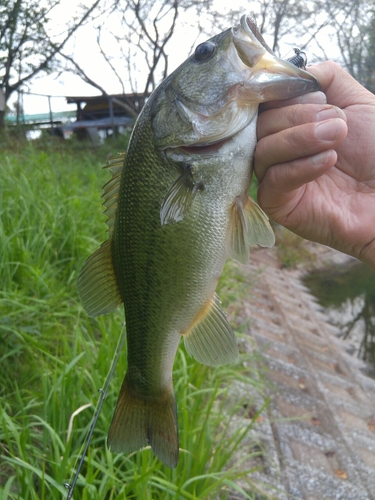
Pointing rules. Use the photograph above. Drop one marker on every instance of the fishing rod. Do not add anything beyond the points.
(102, 394)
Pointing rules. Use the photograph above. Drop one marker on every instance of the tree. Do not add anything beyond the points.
(354, 25)
(340, 29)
(26, 46)
(369, 62)
(290, 22)
(133, 38)
(148, 27)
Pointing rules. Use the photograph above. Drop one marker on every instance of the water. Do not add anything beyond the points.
(347, 294)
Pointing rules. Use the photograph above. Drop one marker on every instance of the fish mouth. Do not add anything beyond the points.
(266, 77)
(211, 148)
(251, 74)
(271, 78)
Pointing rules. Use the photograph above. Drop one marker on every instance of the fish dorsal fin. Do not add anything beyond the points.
(179, 197)
(97, 285)
(111, 190)
(249, 225)
(210, 339)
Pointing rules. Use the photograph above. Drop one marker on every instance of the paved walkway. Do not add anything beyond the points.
(317, 437)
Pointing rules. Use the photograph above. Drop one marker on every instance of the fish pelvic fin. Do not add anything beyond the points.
(97, 286)
(210, 339)
(139, 422)
(249, 225)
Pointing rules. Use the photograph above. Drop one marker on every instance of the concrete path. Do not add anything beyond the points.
(317, 437)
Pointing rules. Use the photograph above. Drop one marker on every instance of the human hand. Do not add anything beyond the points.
(315, 162)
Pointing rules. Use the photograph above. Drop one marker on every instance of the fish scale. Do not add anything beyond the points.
(182, 207)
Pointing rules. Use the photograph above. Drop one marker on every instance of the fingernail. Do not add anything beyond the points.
(326, 114)
(326, 131)
(321, 158)
(313, 98)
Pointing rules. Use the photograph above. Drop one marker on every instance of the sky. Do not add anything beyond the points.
(86, 53)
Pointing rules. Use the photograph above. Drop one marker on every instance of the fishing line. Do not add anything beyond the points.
(103, 392)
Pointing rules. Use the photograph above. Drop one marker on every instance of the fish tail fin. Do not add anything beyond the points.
(139, 422)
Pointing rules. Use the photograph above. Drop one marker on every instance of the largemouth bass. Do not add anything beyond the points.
(177, 207)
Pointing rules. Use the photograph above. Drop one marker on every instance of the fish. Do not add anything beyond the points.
(177, 207)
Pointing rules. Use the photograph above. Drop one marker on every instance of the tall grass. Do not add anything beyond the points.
(54, 359)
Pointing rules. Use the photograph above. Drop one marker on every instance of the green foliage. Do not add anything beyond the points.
(23, 34)
(333, 286)
(291, 248)
(54, 359)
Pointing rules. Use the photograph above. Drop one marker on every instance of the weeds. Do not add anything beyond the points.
(54, 359)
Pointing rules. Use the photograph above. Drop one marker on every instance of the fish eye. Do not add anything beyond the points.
(204, 51)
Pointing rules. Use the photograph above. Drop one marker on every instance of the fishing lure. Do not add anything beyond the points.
(299, 59)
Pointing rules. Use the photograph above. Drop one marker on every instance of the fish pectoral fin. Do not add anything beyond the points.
(97, 286)
(211, 340)
(249, 225)
(138, 422)
(237, 240)
(179, 198)
(259, 230)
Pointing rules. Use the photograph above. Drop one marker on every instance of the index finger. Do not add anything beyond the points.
(276, 119)
(340, 88)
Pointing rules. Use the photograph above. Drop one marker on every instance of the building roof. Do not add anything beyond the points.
(102, 97)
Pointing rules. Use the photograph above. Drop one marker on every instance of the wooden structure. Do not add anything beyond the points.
(104, 112)
(95, 117)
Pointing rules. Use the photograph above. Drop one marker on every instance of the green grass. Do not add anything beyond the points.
(54, 359)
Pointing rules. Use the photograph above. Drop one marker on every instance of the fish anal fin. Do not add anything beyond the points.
(139, 422)
(97, 286)
(179, 197)
(248, 225)
(210, 339)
